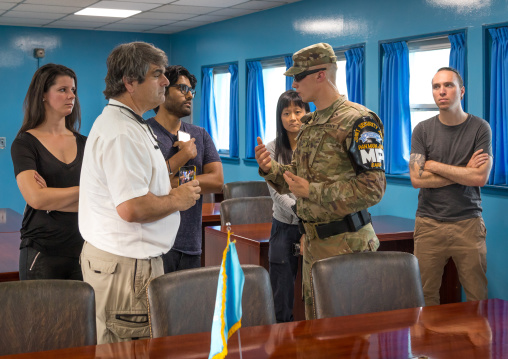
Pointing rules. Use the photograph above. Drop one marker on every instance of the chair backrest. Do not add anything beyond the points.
(42, 315)
(245, 189)
(183, 302)
(246, 210)
(366, 282)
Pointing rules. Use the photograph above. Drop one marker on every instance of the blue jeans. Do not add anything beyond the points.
(283, 268)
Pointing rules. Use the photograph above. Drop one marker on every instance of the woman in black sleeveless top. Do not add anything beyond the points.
(47, 155)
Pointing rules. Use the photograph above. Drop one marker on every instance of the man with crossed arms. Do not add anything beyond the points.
(451, 158)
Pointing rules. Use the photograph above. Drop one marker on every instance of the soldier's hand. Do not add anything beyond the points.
(298, 185)
(186, 195)
(263, 156)
(188, 147)
(477, 159)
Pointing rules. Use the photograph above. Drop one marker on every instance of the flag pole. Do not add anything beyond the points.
(239, 343)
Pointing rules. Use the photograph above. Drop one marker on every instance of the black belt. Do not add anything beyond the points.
(351, 223)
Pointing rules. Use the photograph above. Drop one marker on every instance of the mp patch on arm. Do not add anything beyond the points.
(366, 150)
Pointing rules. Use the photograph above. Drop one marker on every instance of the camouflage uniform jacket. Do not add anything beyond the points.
(321, 157)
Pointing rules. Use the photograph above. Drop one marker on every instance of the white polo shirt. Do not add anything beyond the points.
(120, 163)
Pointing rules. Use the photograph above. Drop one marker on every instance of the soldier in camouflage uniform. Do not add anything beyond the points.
(337, 170)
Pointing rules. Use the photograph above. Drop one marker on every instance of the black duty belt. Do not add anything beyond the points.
(351, 223)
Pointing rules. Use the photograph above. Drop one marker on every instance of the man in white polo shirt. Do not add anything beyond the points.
(128, 213)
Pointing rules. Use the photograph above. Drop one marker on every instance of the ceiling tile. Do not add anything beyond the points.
(194, 23)
(44, 8)
(171, 29)
(162, 16)
(160, 2)
(153, 22)
(123, 5)
(179, 26)
(22, 22)
(82, 3)
(187, 9)
(258, 5)
(6, 5)
(74, 24)
(233, 12)
(213, 3)
(127, 27)
(209, 18)
(33, 15)
(164, 31)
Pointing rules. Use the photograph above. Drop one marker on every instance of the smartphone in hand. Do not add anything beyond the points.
(183, 136)
(186, 174)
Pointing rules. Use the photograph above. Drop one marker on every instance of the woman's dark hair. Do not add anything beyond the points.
(33, 106)
(282, 145)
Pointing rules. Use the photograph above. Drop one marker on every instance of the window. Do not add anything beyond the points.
(426, 56)
(274, 84)
(340, 79)
(221, 86)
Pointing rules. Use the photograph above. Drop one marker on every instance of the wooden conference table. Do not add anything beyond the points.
(394, 233)
(451, 331)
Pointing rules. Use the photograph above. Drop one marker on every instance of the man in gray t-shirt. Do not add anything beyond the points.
(451, 158)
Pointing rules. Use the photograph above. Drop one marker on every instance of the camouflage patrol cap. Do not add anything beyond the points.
(312, 55)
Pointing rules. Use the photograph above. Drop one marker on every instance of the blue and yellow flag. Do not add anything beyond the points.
(227, 317)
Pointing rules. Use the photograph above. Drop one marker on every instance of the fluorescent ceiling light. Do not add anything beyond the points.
(94, 11)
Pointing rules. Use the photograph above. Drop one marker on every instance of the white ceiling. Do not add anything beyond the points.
(157, 16)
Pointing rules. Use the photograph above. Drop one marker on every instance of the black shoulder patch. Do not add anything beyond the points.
(366, 150)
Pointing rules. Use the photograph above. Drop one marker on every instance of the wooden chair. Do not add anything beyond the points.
(183, 302)
(40, 315)
(366, 282)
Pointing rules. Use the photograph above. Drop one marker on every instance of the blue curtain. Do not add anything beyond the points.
(289, 79)
(208, 113)
(354, 74)
(498, 112)
(458, 55)
(394, 107)
(255, 106)
(233, 111)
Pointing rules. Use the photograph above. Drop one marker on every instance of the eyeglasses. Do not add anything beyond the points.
(184, 89)
(299, 77)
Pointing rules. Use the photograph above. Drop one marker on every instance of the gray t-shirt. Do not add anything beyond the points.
(452, 145)
(188, 238)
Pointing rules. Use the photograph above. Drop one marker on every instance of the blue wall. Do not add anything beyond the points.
(284, 30)
(269, 33)
(83, 51)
